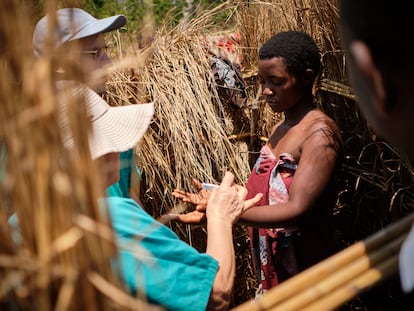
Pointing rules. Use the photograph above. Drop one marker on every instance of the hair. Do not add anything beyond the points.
(297, 48)
(383, 25)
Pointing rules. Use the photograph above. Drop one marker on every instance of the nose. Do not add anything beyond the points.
(105, 60)
(267, 91)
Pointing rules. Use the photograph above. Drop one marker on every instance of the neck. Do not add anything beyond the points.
(293, 116)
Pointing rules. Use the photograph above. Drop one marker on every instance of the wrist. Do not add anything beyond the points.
(220, 221)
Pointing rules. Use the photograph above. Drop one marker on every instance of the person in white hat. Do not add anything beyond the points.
(154, 261)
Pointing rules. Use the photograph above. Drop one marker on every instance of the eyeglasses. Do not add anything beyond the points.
(98, 52)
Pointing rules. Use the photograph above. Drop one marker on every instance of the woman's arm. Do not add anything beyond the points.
(314, 172)
(224, 208)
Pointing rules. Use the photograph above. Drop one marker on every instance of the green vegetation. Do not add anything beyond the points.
(163, 12)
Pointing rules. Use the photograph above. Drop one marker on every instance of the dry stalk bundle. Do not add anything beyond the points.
(341, 277)
(355, 287)
(50, 259)
(191, 130)
(336, 87)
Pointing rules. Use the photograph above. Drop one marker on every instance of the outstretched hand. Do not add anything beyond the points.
(199, 199)
(194, 217)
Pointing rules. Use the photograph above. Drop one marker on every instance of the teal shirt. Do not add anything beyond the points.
(153, 260)
(121, 188)
(156, 262)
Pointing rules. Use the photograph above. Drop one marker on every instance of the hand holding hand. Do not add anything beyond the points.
(228, 202)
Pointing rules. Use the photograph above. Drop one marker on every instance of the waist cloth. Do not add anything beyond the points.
(273, 248)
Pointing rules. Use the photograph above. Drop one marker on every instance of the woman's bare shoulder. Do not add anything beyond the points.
(318, 119)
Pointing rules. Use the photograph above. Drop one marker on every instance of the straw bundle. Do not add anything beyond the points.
(194, 131)
(61, 253)
(189, 135)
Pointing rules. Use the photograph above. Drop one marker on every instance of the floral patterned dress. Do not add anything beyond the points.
(272, 249)
(279, 253)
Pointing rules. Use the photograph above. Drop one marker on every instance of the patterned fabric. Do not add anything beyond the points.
(273, 249)
(280, 253)
(225, 45)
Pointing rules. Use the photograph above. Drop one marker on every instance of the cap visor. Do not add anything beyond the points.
(101, 25)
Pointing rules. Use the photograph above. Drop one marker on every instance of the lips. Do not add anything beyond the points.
(271, 103)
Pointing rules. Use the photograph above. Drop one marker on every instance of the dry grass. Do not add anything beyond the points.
(191, 130)
(193, 135)
(61, 255)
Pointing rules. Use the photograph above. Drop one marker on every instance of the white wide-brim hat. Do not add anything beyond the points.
(114, 129)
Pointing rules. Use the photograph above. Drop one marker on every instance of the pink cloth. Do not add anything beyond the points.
(274, 254)
(280, 253)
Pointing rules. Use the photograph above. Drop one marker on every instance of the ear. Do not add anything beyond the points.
(309, 77)
(362, 58)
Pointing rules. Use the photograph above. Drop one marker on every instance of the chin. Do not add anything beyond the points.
(112, 179)
(100, 90)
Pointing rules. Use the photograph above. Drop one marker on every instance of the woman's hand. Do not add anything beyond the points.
(228, 202)
(194, 217)
(198, 199)
(226, 193)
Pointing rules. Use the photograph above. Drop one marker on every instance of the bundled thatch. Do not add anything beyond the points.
(191, 135)
(61, 254)
(63, 259)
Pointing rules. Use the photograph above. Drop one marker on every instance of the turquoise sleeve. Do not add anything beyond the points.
(154, 261)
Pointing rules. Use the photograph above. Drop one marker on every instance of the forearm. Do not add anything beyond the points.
(220, 246)
(271, 216)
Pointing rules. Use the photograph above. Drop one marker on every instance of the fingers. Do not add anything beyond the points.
(242, 191)
(197, 184)
(252, 202)
(228, 179)
(201, 208)
(194, 217)
(179, 193)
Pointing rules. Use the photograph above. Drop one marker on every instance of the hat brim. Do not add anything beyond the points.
(114, 129)
(101, 25)
(119, 129)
